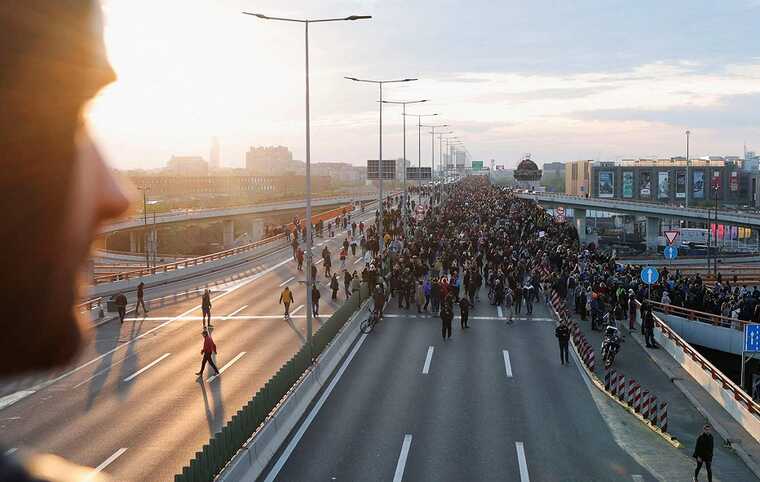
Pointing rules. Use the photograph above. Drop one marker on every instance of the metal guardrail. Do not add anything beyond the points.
(138, 273)
(727, 384)
(695, 315)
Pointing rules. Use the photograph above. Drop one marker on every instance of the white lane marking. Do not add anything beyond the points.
(10, 451)
(9, 400)
(401, 464)
(106, 369)
(310, 418)
(507, 365)
(247, 317)
(319, 261)
(147, 367)
(361, 258)
(428, 359)
(235, 312)
(499, 312)
(522, 462)
(298, 308)
(107, 462)
(287, 281)
(637, 478)
(229, 364)
(47, 383)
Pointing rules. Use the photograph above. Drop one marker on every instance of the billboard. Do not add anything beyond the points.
(413, 173)
(477, 165)
(698, 185)
(715, 183)
(606, 184)
(389, 170)
(645, 184)
(628, 184)
(680, 184)
(663, 185)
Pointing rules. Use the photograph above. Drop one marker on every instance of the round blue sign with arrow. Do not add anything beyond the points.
(649, 275)
(671, 252)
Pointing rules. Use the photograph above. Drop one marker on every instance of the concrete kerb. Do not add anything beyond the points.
(600, 385)
(256, 454)
(748, 460)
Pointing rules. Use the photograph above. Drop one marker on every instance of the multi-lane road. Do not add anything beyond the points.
(132, 405)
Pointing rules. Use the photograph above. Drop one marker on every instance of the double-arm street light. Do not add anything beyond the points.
(432, 146)
(381, 241)
(309, 243)
(419, 150)
(403, 115)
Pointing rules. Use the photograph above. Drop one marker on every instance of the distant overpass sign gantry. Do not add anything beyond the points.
(388, 170)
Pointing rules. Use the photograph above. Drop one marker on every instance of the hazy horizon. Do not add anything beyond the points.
(591, 80)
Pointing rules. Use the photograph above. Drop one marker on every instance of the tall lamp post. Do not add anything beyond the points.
(419, 151)
(432, 149)
(145, 223)
(688, 174)
(309, 243)
(381, 241)
(403, 115)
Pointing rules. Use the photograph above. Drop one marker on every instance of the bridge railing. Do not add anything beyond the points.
(138, 273)
(727, 384)
(696, 315)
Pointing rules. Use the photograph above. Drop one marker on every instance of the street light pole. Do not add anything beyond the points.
(403, 115)
(419, 150)
(381, 241)
(309, 243)
(688, 174)
(145, 224)
(432, 151)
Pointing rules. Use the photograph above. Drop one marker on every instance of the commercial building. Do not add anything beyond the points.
(272, 160)
(577, 174)
(554, 168)
(187, 166)
(340, 172)
(672, 180)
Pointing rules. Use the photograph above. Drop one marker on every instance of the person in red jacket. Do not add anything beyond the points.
(209, 348)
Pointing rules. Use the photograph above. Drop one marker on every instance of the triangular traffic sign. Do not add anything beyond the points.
(671, 236)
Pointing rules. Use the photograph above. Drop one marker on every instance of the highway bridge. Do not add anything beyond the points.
(492, 403)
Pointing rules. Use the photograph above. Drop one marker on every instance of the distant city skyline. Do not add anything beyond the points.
(505, 87)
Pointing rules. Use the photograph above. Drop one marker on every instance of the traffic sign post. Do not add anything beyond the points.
(649, 275)
(671, 236)
(751, 346)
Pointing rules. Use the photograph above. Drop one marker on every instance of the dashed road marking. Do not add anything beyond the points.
(235, 312)
(107, 462)
(522, 462)
(428, 359)
(299, 307)
(398, 476)
(507, 364)
(10, 451)
(637, 478)
(229, 364)
(287, 281)
(147, 367)
(9, 400)
(499, 312)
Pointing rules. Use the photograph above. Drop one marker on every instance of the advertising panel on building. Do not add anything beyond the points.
(628, 184)
(645, 184)
(663, 186)
(698, 185)
(681, 184)
(733, 183)
(606, 184)
(715, 183)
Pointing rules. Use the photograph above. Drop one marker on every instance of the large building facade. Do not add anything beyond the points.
(577, 175)
(272, 160)
(672, 181)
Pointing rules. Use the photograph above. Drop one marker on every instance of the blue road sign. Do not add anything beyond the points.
(671, 252)
(649, 275)
(752, 338)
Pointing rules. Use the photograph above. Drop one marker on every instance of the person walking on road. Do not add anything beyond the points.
(447, 315)
(648, 324)
(509, 308)
(528, 295)
(206, 306)
(562, 332)
(631, 310)
(286, 298)
(378, 298)
(327, 262)
(334, 286)
(140, 299)
(299, 258)
(121, 306)
(419, 296)
(209, 349)
(464, 311)
(315, 294)
(347, 283)
(703, 453)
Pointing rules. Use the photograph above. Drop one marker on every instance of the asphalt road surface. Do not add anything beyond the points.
(131, 404)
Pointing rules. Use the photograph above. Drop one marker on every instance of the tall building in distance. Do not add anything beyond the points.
(187, 166)
(577, 174)
(271, 161)
(213, 158)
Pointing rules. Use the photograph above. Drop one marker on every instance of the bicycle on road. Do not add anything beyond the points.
(369, 324)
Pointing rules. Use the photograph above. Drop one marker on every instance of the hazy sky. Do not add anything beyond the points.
(586, 79)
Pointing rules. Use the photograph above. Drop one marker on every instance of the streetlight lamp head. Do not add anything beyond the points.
(352, 78)
(260, 15)
(358, 17)
(408, 80)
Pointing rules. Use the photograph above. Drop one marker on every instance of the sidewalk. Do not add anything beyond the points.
(689, 405)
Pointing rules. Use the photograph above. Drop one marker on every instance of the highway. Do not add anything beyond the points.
(132, 405)
(493, 403)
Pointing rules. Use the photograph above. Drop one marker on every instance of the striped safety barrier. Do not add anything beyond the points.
(637, 399)
(644, 403)
(631, 391)
(652, 416)
(608, 379)
(621, 387)
(663, 422)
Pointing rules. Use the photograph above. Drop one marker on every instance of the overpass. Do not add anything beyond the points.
(654, 212)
